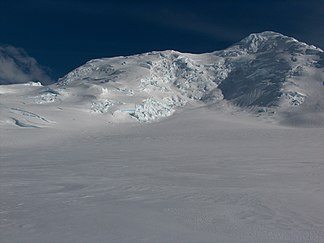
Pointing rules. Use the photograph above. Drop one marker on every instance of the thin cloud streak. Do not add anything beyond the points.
(190, 22)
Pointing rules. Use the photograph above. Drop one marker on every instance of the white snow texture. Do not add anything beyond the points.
(169, 147)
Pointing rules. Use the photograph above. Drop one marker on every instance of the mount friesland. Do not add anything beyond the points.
(267, 74)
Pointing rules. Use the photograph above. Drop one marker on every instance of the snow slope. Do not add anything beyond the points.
(200, 176)
(169, 147)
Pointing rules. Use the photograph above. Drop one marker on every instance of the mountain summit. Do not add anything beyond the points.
(272, 41)
(266, 73)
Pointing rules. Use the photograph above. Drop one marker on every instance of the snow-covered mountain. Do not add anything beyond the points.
(266, 73)
(81, 160)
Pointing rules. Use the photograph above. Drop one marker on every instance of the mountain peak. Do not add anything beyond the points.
(272, 41)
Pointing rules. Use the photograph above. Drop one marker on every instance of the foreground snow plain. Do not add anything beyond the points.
(200, 176)
(169, 147)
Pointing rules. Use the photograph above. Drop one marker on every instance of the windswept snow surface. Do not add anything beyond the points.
(169, 147)
(201, 176)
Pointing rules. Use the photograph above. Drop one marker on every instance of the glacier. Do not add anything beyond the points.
(166, 146)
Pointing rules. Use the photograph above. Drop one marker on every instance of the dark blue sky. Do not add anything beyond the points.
(63, 34)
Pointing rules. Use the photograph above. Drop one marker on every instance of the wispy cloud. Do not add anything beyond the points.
(196, 23)
(16, 66)
(192, 19)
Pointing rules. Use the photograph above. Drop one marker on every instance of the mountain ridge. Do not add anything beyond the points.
(265, 73)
